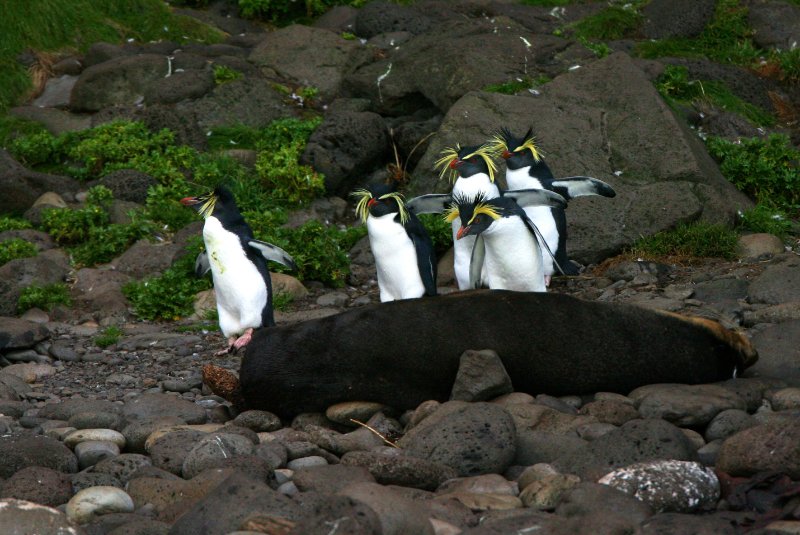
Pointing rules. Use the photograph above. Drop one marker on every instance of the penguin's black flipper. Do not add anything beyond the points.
(426, 255)
(579, 186)
(433, 203)
(536, 197)
(201, 264)
(274, 253)
(542, 242)
(476, 262)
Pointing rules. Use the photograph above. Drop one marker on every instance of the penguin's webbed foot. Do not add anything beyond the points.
(547, 279)
(228, 350)
(242, 340)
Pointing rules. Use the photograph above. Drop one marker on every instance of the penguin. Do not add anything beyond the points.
(238, 265)
(526, 169)
(403, 250)
(472, 171)
(507, 241)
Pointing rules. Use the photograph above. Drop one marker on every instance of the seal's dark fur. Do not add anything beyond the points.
(404, 352)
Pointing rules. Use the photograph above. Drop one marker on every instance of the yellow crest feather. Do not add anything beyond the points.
(483, 208)
(362, 206)
(451, 213)
(483, 152)
(448, 155)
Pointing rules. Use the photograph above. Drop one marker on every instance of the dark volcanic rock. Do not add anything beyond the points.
(23, 451)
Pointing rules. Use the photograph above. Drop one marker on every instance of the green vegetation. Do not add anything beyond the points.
(171, 295)
(768, 170)
(440, 231)
(16, 248)
(515, 86)
(44, 297)
(223, 74)
(695, 240)
(675, 86)
(281, 301)
(49, 27)
(762, 218)
(109, 336)
(287, 11)
(613, 22)
(13, 223)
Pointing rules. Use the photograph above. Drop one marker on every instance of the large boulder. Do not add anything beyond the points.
(118, 81)
(608, 121)
(21, 186)
(306, 56)
(48, 267)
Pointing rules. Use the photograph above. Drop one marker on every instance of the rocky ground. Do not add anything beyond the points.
(127, 439)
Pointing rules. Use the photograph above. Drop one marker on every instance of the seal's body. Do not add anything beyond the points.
(573, 347)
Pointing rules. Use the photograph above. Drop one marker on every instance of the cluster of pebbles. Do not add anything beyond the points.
(128, 440)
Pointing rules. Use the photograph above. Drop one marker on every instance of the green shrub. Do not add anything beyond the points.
(224, 74)
(68, 227)
(762, 218)
(285, 179)
(613, 22)
(117, 142)
(440, 231)
(44, 297)
(13, 223)
(768, 170)
(171, 295)
(103, 244)
(16, 248)
(674, 84)
(281, 301)
(727, 39)
(35, 148)
(695, 240)
(109, 336)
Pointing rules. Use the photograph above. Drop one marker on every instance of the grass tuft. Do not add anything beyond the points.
(694, 240)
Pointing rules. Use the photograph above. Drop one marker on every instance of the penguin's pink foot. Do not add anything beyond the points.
(547, 279)
(243, 340)
(227, 350)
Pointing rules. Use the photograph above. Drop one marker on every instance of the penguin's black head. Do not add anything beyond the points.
(466, 161)
(518, 152)
(217, 202)
(379, 200)
(476, 214)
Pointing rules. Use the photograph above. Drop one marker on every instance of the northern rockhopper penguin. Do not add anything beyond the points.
(238, 264)
(526, 169)
(472, 171)
(507, 242)
(403, 251)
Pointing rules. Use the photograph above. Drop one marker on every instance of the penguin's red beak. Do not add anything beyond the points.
(455, 164)
(506, 155)
(371, 203)
(189, 201)
(462, 232)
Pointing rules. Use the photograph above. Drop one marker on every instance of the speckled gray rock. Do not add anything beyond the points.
(170, 450)
(155, 405)
(136, 432)
(340, 513)
(258, 421)
(230, 503)
(481, 376)
(635, 441)
(473, 438)
(685, 405)
(402, 470)
(771, 446)
(727, 423)
(84, 480)
(20, 517)
(211, 449)
(668, 486)
(587, 499)
(610, 411)
(65, 409)
(330, 479)
(779, 283)
(19, 452)
(545, 493)
(122, 466)
(397, 513)
(37, 484)
(96, 420)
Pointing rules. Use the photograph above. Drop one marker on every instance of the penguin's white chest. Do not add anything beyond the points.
(513, 259)
(395, 259)
(542, 216)
(240, 289)
(468, 187)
